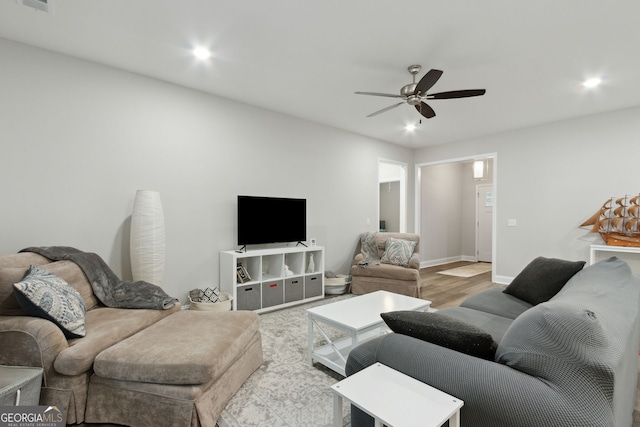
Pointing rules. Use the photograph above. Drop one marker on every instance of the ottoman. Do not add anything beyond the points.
(181, 371)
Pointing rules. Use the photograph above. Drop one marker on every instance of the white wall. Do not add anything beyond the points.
(78, 139)
(552, 177)
(440, 213)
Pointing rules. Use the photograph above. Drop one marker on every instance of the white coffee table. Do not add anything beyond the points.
(395, 399)
(360, 318)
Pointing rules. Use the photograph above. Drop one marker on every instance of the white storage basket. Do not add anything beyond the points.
(224, 304)
(336, 285)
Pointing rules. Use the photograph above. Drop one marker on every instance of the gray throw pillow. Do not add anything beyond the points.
(542, 279)
(398, 252)
(45, 295)
(442, 330)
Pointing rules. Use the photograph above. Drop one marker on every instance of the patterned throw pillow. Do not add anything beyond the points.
(45, 295)
(398, 252)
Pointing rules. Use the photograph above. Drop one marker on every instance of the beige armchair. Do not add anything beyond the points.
(387, 277)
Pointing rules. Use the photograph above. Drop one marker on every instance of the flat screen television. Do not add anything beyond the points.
(271, 220)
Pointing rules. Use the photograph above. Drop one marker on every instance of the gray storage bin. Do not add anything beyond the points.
(293, 289)
(249, 297)
(20, 385)
(272, 293)
(313, 285)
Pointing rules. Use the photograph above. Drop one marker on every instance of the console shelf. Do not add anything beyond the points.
(278, 277)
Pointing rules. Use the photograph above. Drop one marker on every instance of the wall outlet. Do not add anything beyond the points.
(512, 223)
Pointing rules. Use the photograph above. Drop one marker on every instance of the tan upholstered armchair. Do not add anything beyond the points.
(386, 276)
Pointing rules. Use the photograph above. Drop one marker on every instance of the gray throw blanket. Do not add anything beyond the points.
(369, 249)
(107, 287)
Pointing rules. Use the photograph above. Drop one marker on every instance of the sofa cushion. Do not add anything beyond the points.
(398, 252)
(43, 294)
(495, 301)
(386, 271)
(8, 303)
(580, 335)
(188, 347)
(494, 325)
(556, 341)
(596, 280)
(442, 330)
(105, 327)
(542, 279)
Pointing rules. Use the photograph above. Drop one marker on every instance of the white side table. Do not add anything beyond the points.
(20, 385)
(395, 399)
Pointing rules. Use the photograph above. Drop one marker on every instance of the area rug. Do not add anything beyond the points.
(468, 270)
(286, 391)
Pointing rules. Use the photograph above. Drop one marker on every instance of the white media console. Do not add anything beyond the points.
(271, 285)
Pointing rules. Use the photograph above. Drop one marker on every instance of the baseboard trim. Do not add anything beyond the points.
(449, 260)
(502, 280)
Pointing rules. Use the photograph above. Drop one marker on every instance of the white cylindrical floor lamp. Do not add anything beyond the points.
(147, 241)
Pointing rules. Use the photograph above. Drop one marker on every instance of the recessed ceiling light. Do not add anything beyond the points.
(201, 53)
(593, 82)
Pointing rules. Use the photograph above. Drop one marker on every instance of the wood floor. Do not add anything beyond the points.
(449, 291)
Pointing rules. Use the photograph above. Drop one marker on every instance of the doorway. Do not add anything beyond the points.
(447, 210)
(392, 196)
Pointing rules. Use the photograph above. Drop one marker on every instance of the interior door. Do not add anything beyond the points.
(484, 214)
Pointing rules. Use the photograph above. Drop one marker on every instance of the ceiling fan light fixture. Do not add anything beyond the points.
(408, 90)
(592, 82)
(201, 53)
(414, 93)
(414, 100)
(410, 127)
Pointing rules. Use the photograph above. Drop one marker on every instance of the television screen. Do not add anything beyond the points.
(271, 220)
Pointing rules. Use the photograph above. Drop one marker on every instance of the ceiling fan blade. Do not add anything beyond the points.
(457, 94)
(427, 81)
(388, 95)
(385, 109)
(425, 110)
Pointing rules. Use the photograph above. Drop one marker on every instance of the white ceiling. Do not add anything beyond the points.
(306, 58)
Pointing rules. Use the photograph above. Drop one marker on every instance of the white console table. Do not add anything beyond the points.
(628, 253)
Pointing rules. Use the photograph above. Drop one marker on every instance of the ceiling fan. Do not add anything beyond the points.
(416, 93)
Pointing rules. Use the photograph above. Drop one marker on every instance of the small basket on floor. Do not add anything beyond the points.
(336, 285)
(223, 304)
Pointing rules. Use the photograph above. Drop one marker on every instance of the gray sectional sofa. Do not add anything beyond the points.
(568, 361)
